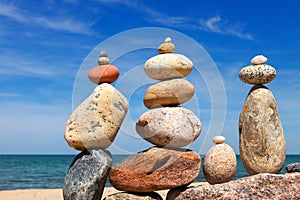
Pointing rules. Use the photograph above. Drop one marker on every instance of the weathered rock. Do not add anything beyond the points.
(168, 93)
(87, 175)
(104, 74)
(134, 196)
(219, 163)
(259, 59)
(156, 169)
(166, 47)
(168, 66)
(293, 167)
(257, 74)
(260, 186)
(262, 144)
(169, 126)
(96, 121)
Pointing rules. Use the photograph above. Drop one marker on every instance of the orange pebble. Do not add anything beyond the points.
(104, 74)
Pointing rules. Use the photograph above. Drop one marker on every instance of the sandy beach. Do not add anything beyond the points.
(56, 194)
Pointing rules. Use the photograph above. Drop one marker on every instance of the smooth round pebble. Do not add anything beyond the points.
(218, 139)
(169, 126)
(168, 93)
(219, 164)
(104, 74)
(260, 59)
(257, 74)
(168, 66)
(166, 47)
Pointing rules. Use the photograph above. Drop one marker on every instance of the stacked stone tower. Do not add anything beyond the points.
(166, 125)
(262, 144)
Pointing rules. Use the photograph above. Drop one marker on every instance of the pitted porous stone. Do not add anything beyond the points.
(257, 74)
(262, 144)
(168, 93)
(219, 164)
(168, 66)
(169, 126)
(96, 121)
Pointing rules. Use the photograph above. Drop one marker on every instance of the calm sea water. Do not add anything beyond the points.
(48, 171)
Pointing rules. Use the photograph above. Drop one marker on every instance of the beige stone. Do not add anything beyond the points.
(262, 144)
(168, 93)
(219, 164)
(168, 66)
(166, 47)
(96, 121)
(169, 126)
(257, 74)
(219, 139)
(259, 59)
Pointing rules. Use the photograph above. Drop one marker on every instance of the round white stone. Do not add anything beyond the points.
(218, 139)
(259, 59)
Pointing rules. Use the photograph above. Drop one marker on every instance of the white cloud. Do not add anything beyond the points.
(217, 25)
(59, 22)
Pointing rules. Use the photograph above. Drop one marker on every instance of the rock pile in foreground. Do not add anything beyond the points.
(260, 186)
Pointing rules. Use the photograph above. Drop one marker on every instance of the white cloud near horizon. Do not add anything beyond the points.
(217, 25)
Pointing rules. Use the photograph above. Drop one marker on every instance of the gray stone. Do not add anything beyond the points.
(262, 144)
(87, 175)
(293, 167)
(260, 186)
(96, 121)
(134, 196)
(169, 126)
(168, 66)
(219, 164)
(168, 93)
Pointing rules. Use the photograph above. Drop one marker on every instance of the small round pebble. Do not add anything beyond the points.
(104, 74)
(259, 59)
(166, 47)
(218, 139)
(103, 60)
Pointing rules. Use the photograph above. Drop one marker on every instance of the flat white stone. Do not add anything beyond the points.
(259, 59)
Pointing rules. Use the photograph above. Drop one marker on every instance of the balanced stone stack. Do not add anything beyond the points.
(220, 162)
(262, 144)
(166, 125)
(92, 128)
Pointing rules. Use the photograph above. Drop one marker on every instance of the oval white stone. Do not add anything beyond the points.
(219, 139)
(259, 59)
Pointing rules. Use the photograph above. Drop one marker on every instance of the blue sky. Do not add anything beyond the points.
(47, 46)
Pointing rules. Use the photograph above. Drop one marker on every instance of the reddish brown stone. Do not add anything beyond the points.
(104, 74)
(156, 169)
(260, 186)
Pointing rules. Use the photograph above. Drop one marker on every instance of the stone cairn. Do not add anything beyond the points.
(262, 144)
(92, 128)
(166, 125)
(220, 162)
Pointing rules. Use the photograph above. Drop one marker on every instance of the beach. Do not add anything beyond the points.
(56, 194)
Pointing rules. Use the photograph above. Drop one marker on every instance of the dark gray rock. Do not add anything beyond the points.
(134, 196)
(293, 167)
(87, 175)
(260, 186)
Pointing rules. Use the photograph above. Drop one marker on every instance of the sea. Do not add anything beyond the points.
(48, 171)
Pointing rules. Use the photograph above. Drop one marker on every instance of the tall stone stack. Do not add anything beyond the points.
(166, 125)
(262, 144)
(91, 128)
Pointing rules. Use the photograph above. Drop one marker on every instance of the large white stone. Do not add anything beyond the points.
(169, 126)
(168, 66)
(96, 121)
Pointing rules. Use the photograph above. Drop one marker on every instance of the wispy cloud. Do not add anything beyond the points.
(60, 23)
(217, 25)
